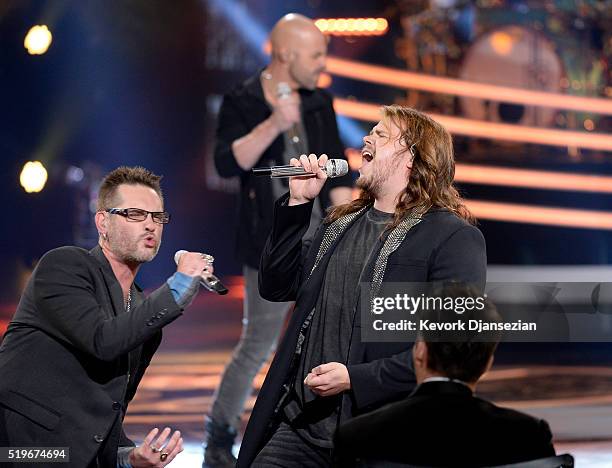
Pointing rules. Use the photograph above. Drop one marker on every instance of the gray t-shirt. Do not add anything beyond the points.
(328, 337)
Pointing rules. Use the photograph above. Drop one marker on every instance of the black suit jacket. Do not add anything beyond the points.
(443, 424)
(242, 110)
(441, 247)
(71, 358)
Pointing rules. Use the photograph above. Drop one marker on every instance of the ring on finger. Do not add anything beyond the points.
(163, 456)
(155, 449)
(208, 258)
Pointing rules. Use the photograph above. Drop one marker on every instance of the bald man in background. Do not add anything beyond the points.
(275, 115)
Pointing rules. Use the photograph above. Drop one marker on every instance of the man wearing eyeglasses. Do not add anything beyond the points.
(84, 333)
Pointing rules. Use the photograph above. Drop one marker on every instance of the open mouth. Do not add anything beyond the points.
(367, 155)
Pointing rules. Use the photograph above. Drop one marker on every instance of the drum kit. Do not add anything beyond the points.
(526, 45)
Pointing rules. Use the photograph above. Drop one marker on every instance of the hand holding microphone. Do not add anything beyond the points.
(192, 263)
(303, 189)
(199, 264)
(286, 113)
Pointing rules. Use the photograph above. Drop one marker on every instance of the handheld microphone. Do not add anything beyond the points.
(211, 282)
(283, 91)
(333, 168)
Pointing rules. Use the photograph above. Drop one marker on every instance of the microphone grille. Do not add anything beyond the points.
(283, 90)
(336, 168)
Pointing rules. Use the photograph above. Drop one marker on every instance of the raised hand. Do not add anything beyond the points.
(306, 188)
(286, 113)
(195, 264)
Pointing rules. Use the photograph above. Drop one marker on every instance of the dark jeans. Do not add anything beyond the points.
(286, 449)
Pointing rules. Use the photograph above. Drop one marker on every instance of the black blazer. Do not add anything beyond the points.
(443, 424)
(441, 247)
(242, 110)
(71, 358)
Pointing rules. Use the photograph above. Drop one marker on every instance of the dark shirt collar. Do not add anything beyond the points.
(253, 86)
(311, 100)
(98, 254)
(444, 387)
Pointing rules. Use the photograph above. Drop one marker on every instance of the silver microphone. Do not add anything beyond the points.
(210, 282)
(333, 168)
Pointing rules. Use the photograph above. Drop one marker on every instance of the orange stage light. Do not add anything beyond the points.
(353, 26)
(549, 216)
(353, 156)
(436, 84)
(544, 180)
(325, 80)
(492, 130)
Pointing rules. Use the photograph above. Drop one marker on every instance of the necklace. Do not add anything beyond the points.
(128, 304)
(266, 83)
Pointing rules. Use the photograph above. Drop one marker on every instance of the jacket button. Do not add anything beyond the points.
(116, 405)
(98, 438)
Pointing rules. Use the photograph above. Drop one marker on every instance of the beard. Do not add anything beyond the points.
(371, 185)
(380, 172)
(128, 250)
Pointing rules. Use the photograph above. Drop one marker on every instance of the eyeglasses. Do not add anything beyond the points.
(136, 214)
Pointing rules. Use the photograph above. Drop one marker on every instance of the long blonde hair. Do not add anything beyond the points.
(430, 183)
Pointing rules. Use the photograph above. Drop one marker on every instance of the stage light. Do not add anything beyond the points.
(403, 79)
(533, 179)
(325, 80)
(74, 175)
(353, 26)
(353, 156)
(33, 176)
(38, 40)
(542, 215)
(382, 24)
(481, 129)
(502, 43)
(267, 47)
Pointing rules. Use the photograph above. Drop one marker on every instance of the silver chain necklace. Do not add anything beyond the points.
(128, 304)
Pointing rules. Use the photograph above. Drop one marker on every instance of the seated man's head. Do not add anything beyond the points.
(463, 355)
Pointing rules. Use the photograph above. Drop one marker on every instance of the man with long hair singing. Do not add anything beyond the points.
(408, 225)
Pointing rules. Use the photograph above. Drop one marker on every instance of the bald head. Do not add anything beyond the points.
(291, 30)
(300, 47)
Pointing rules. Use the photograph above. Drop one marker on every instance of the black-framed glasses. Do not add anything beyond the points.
(137, 214)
